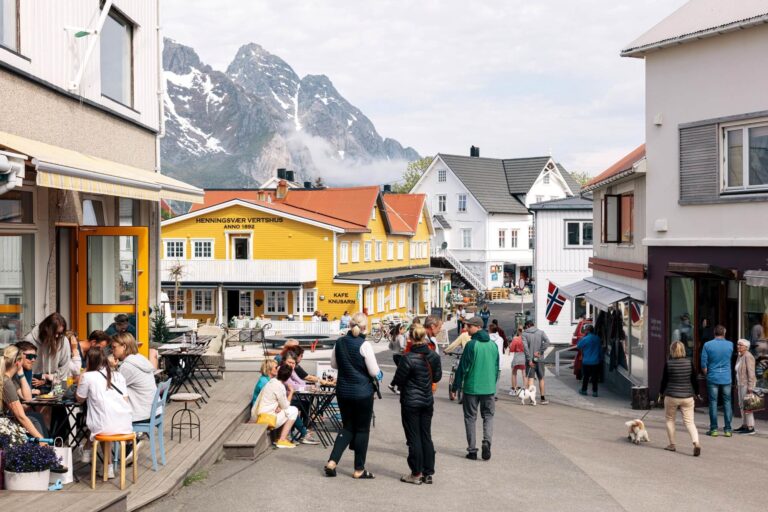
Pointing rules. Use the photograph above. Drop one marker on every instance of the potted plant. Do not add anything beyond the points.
(28, 467)
(11, 434)
(160, 331)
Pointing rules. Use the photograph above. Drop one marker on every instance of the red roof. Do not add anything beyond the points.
(623, 165)
(404, 211)
(352, 205)
(213, 197)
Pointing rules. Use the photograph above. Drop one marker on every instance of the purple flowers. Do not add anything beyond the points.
(30, 457)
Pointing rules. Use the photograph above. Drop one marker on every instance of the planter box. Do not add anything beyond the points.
(37, 481)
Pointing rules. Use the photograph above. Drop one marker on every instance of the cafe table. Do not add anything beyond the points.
(70, 426)
(180, 365)
(314, 404)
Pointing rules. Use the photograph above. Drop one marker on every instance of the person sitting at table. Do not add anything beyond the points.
(293, 384)
(121, 324)
(30, 355)
(139, 375)
(53, 354)
(106, 394)
(273, 399)
(268, 371)
(78, 349)
(14, 387)
(317, 316)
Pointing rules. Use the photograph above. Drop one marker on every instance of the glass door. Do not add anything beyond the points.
(113, 279)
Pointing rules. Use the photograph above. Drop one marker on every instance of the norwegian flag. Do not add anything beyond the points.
(555, 302)
(635, 312)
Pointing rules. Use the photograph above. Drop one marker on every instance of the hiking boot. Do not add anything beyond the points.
(427, 479)
(712, 433)
(411, 479)
(486, 450)
(471, 455)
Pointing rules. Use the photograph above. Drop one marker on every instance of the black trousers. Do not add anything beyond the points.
(356, 425)
(417, 424)
(590, 372)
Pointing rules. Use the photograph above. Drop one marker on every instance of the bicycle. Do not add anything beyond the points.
(452, 377)
(381, 330)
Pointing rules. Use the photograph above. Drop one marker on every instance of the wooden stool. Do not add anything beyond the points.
(193, 420)
(108, 439)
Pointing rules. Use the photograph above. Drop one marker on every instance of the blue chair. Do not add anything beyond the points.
(155, 425)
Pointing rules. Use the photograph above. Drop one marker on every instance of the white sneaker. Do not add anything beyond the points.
(110, 472)
(129, 457)
(85, 455)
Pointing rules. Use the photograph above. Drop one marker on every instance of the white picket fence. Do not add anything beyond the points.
(288, 327)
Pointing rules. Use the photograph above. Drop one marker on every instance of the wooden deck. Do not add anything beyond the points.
(248, 441)
(225, 411)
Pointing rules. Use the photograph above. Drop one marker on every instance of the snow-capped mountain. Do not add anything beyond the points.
(236, 128)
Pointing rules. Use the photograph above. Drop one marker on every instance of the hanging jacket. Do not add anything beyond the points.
(416, 373)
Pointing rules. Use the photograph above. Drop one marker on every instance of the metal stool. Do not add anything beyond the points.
(193, 420)
(108, 439)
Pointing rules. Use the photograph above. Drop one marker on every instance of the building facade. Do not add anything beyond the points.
(296, 251)
(79, 166)
(482, 224)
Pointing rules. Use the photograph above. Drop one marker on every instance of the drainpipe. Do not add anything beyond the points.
(161, 133)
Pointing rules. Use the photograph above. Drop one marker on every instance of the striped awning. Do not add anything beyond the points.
(67, 169)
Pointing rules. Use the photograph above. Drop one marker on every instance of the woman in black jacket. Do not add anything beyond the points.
(418, 370)
(680, 386)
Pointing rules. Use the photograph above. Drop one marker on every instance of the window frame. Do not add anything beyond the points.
(367, 250)
(442, 175)
(745, 187)
(175, 240)
(175, 302)
(590, 310)
(403, 298)
(378, 250)
(605, 221)
(343, 253)
(271, 299)
(401, 250)
(355, 252)
(442, 203)
(390, 250)
(461, 199)
(392, 296)
(194, 241)
(546, 178)
(369, 300)
(380, 298)
(502, 238)
(307, 293)
(240, 309)
(464, 232)
(16, 48)
(202, 310)
(531, 237)
(124, 20)
(581, 223)
(514, 238)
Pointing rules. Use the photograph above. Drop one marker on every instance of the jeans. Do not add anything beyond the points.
(356, 417)
(299, 424)
(589, 372)
(417, 424)
(713, 390)
(487, 407)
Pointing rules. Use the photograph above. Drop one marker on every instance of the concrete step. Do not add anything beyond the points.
(248, 442)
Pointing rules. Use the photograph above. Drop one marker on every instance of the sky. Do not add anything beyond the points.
(516, 78)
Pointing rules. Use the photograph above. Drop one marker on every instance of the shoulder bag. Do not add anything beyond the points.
(265, 418)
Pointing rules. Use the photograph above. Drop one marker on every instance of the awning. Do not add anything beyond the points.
(66, 169)
(603, 298)
(756, 277)
(394, 275)
(573, 290)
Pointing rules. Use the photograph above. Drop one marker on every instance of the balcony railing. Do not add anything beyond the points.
(242, 271)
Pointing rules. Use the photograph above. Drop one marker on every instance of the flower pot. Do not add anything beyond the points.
(36, 481)
(2, 472)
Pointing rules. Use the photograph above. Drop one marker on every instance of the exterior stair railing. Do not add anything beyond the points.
(462, 269)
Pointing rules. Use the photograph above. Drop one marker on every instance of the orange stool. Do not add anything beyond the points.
(108, 439)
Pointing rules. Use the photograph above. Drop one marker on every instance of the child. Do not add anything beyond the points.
(517, 352)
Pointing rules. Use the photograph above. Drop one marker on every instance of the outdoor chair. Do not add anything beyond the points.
(107, 440)
(154, 427)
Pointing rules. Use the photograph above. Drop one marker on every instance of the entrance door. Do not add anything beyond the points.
(240, 248)
(233, 303)
(414, 296)
(113, 278)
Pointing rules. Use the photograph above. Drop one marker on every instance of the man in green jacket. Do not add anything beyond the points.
(477, 375)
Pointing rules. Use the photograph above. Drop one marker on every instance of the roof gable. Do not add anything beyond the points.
(404, 211)
(624, 166)
(351, 205)
(522, 173)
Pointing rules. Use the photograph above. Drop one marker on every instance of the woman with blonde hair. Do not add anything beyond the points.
(746, 380)
(355, 361)
(139, 375)
(12, 377)
(680, 385)
(268, 371)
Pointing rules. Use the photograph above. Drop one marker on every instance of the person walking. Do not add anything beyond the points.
(485, 315)
(679, 385)
(745, 382)
(355, 361)
(461, 317)
(589, 345)
(716, 365)
(517, 351)
(417, 372)
(477, 375)
(501, 332)
(535, 342)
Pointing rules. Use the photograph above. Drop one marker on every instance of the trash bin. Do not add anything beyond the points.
(640, 399)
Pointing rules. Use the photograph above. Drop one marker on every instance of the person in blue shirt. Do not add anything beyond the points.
(268, 371)
(716, 365)
(590, 359)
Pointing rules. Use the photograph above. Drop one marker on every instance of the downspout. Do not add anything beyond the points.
(160, 135)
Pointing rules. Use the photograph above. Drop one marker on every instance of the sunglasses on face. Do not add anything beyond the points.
(30, 357)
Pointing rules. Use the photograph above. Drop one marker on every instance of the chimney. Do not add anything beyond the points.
(474, 151)
(290, 175)
(307, 184)
(282, 189)
(261, 195)
(281, 173)
(387, 189)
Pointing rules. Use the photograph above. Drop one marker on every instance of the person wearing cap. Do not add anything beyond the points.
(121, 324)
(745, 382)
(477, 375)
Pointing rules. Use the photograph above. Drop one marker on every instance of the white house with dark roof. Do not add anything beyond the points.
(483, 227)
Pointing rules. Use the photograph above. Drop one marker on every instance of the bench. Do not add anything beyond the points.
(248, 441)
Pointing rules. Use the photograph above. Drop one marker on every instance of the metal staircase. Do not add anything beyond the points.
(461, 269)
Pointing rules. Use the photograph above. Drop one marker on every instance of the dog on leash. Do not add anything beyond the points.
(527, 395)
(637, 432)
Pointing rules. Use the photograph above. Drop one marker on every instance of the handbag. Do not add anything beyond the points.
(754, 402)
(65, 454)
(265, 418)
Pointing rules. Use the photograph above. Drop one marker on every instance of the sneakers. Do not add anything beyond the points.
(543, 400)
(741, 429)
(309, 439)
(712, 433)
(728, 433)
(582, 392)
(594, 394)
(486, 450)
(282, 443)
(393, 389)
(411, 479)
(110, 472)
(85, 455)
(129, 449)
(427, 479)
(512, 391)
(749, 432)
(471, 455)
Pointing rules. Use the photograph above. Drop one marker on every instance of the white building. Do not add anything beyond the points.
(482, 224)
(562, 250)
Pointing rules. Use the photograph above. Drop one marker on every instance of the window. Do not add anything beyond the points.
(202, 249)
(276, 302)
(373, 213)
(9, 18)
(618, 218)
(462, 208)
(502, 238)
(128, 212)
(746, 158)
(16, 206)
(355, 252)
(174, 249)
(310, 301)
(531, 238)
(367, 255)
(344, 252)
(402, 296)
(17, 293)
(513, 238)
(390, 250)
(93, 212)
(539, 199)
(546, 179)
(441, 203)
(202, 301)
(380, 299)
(578, 233)
(400, 250)
(393, 296)
(379, 245)
(116, 41)
(466, 238)
(424, 250)
(580, 308)
(245, 303)
(441, 175)
(178, 302)
(369, 306)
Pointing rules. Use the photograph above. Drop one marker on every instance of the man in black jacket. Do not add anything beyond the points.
(418, 370)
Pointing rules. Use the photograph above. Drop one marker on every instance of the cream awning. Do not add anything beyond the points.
(756, 278)
(66, 169)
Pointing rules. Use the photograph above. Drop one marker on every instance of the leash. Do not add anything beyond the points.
(646, 414)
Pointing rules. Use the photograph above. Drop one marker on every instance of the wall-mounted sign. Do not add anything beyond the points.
(238, 222)
(341, 298)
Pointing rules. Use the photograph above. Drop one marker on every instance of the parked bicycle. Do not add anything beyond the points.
(381, 330)
(452, 377)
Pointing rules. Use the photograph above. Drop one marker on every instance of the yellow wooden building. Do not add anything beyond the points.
(286, 253)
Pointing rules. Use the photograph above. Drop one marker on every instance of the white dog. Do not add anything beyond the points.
(528, 394)
(637, 431)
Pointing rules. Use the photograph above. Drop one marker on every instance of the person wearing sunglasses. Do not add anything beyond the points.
(53, 349)
(29, 351)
